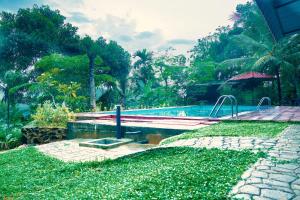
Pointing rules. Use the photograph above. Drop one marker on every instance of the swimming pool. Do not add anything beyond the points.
(186, 111)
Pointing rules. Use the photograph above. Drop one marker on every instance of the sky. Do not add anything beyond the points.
(137, 24)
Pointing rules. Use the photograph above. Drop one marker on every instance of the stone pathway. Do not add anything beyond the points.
(233, 143)
(276, 177)
(70, 151)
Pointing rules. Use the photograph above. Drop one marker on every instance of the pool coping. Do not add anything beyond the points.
(104, 113)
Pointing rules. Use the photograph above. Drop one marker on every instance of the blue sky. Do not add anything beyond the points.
(137, 24)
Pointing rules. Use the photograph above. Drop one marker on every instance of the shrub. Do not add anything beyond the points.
(48, 115)
(18, 114)
(10, 139)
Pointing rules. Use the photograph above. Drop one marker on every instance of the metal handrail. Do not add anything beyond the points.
(217, 107)
(261, 102)
(216, 104)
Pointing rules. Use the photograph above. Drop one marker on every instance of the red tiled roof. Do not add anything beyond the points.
(251, 75)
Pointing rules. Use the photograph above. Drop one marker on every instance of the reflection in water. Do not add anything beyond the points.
(182, 114)
(153, 137)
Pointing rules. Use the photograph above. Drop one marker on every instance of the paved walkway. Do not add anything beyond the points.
(70, 151)
(277, 177)
(278, 113)
(234, 143)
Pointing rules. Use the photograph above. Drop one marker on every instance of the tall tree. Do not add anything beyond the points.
(27, 36)
(12, 86)
(144, 65)
(262, 53)
(118, 59)
(32, 33)
(58, 70)
(92, 50)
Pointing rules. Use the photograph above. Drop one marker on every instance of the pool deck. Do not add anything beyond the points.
(176, 124)
(278, 113)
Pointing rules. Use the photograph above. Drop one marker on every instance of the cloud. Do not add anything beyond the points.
(14, 6)
(125, 38)
(181, 41)
(145, 35)
(180, 45)
(79, 17)
(124, 31)
(65, 5)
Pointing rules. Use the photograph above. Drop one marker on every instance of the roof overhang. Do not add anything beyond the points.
(282, 16)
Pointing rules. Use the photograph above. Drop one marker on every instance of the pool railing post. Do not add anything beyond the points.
(118, 120)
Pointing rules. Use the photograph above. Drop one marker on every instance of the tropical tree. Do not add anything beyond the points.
(144, 65)
(25, 37)
(11, 85)
(60, 72)
(92, 50)
(275, 58)
(119, 61)
(32, 33)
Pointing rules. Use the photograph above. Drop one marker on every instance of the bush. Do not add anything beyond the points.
(18, 114)
(10, 139)
(48, 115)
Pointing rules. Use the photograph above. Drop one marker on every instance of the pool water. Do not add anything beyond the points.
(187, 111)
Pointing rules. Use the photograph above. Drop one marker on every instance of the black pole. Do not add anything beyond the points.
(118, 120)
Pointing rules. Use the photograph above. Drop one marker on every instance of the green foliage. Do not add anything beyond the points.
(32, 33)
(157, 80)
(10, 138)
(65, 79)
(49, 115)
(67, 69)
(25, 37)
(201, 72)
(119, 61)
(249, 46)
(18, 115)
(238, 129)
(40, 37)
(169, 173)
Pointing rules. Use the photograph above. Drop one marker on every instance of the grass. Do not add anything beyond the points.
(171, 173)
(231, 128)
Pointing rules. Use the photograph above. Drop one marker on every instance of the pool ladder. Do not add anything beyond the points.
(268, 99)
(221, 100)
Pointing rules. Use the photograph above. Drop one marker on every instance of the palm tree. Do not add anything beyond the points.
(262, 52)
(12, 83)
(144, 65)
(92, 50)
(275, 58)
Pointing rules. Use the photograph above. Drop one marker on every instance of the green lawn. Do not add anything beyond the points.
(172, 173)
(231, 128)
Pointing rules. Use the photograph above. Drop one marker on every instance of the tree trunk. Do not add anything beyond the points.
(123, 92)
(278, 86)
(8, 108)
(92, 83)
